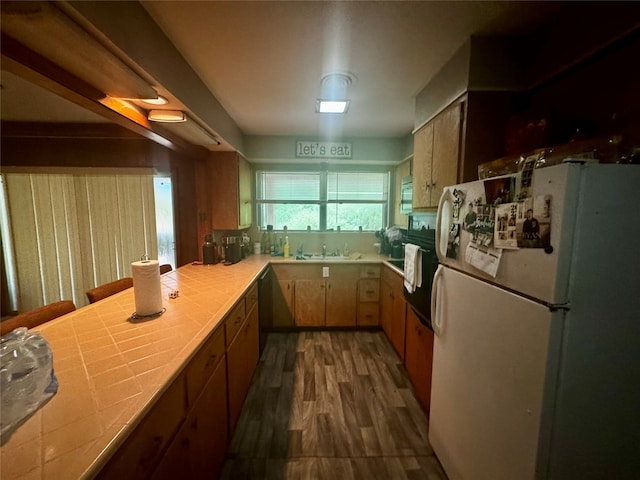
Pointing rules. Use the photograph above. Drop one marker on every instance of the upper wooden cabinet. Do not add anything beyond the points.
(436, 156)
(226, 201)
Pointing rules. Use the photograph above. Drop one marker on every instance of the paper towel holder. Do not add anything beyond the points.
(135, 318)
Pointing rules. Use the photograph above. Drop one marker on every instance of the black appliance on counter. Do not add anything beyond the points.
(424, 237)
(232, 250)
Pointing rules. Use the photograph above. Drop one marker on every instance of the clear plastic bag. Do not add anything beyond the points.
(26, 377)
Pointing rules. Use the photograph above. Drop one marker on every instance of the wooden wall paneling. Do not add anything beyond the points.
(185, 208)
(203, 202)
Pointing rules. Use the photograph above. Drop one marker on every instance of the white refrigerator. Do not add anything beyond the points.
(536, 363)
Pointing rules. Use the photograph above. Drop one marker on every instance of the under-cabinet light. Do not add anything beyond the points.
(155, 101)
(167, 116)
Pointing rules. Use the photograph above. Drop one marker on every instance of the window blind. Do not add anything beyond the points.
(287, 186)
(73, 232)
(322, 200)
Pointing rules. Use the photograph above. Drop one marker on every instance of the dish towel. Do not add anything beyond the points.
(412, 267)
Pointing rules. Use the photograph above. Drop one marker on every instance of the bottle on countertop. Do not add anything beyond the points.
(208, 251)
(286, 247)
(246, 242)
(264, 247)
(270, 242)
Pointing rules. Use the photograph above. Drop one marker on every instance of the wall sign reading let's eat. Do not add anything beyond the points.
(323, 150)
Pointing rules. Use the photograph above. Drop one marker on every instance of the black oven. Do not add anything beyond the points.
(424, 237)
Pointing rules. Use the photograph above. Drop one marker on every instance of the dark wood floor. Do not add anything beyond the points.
(331, 405)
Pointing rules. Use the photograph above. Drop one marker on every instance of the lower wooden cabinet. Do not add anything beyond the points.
(342, 291)
(198, 450)
(203, 364)
(144, 448)
(242, 358)
(303, 297)
(419, 357)
(282, 306)
(393, 308)
(187, 432)
(368, 302)
(368, 314)
(309, 302)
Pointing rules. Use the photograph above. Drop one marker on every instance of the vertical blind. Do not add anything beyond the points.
(73, 232)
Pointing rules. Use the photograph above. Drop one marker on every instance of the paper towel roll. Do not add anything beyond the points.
(146, 287)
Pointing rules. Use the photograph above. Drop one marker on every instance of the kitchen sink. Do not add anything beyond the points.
(310, 256)
(397, 263)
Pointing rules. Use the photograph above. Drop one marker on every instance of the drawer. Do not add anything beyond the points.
(370, 271)
(368, 314)
(204, 364)
(368, 290)
(233, 322)
(251, 297)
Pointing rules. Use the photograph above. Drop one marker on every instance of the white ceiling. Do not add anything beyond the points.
(263, 61)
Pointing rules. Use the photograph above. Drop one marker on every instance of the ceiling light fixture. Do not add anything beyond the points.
(333, 93)
(332, 106)
(155, 101)
(167, 116)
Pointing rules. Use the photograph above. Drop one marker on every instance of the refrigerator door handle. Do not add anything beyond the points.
(444, 203)
(436, 317)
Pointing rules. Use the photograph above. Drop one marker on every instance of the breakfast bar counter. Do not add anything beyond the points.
(112, 370)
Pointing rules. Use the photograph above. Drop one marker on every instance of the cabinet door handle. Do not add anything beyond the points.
(212, 360)
(369, 292)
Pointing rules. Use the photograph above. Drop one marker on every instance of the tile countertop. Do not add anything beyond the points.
(111, 371)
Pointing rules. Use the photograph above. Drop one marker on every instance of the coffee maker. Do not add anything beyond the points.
(232, 250)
